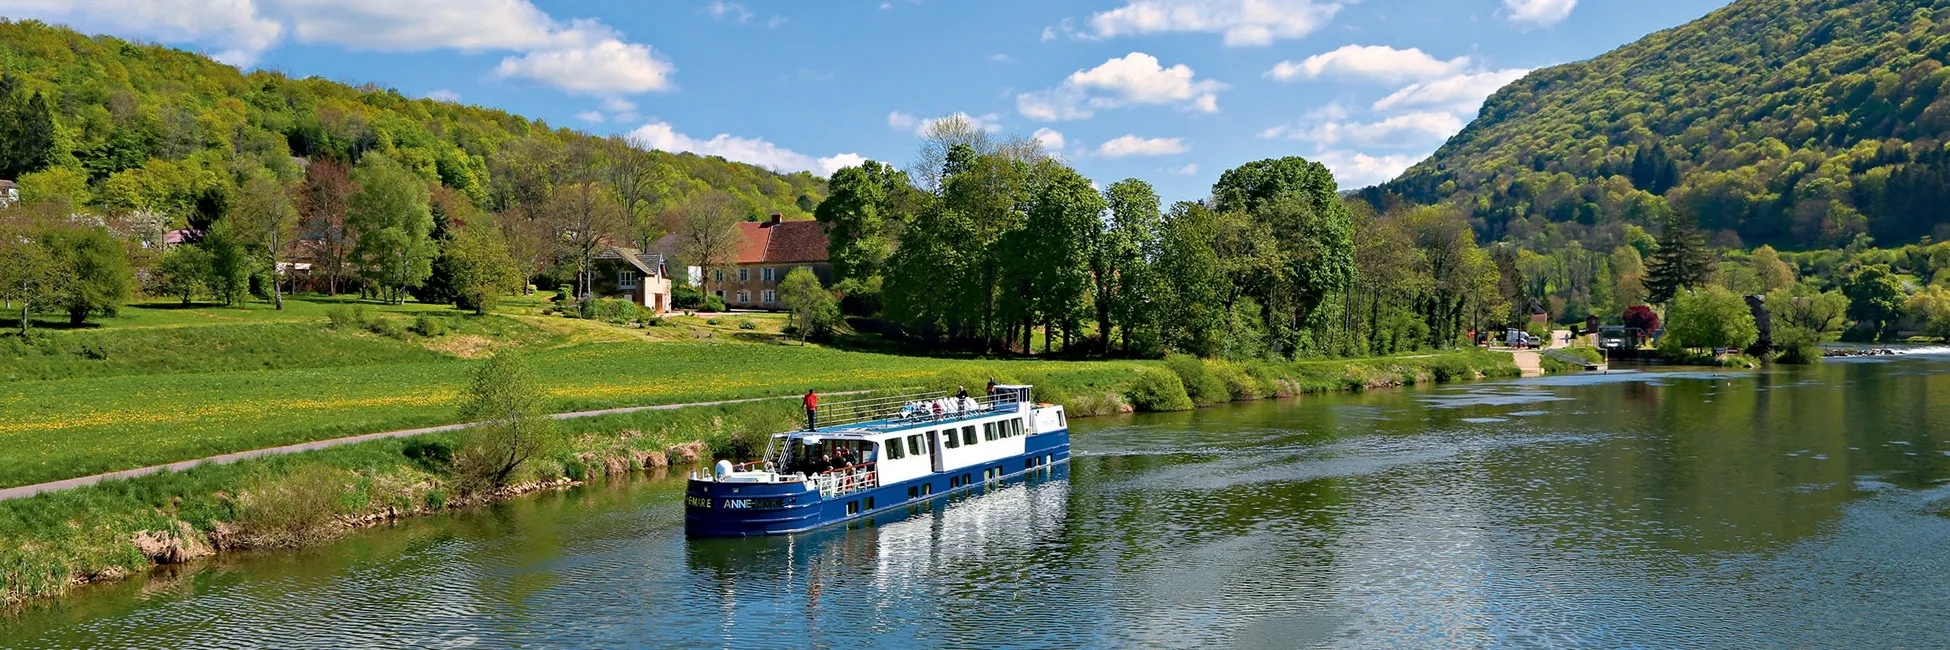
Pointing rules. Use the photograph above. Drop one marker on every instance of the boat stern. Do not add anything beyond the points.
(755, 505)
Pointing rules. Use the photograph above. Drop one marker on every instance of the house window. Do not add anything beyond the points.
(768, 296)
(626, 279)
(744, 275)
(719, 274)
(765, 274)
(744, 297)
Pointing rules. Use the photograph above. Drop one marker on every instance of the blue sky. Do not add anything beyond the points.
(1170, 91)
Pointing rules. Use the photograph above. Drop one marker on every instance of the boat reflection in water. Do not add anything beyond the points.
(870, 565)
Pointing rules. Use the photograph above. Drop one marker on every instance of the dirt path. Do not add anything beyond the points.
(1528, 361)
(31, 490)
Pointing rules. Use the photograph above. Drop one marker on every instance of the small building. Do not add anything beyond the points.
(768, 251)
(627, 273)
(9, 193)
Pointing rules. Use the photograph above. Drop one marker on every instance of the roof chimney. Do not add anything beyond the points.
(775, 218)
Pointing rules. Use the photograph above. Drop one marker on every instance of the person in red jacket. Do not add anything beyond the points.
(812, 410)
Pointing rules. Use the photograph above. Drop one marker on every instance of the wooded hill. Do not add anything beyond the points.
(116, 126)
(1797, 123)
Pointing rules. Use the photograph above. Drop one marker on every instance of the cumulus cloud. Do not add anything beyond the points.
(444, 95)
(1243, 22)
(1464, 92)
(731, 11)
(590, 58)
(1135, 78)
(1372, 62)
(236, 28)
(578, 55)
(1132, 145)
(1188, 170)
(1353, 169)
(901, 120)
(1051, 139)
(662, 136)
(1541, 13)
(590, 116)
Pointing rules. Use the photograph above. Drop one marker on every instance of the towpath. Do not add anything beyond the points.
(63, 484)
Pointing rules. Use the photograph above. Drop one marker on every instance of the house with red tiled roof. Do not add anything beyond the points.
(768, 251)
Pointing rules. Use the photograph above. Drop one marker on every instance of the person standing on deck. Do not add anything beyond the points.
(991, 387)
(812, 410)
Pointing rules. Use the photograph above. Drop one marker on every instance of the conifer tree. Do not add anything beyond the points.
(1681, 262)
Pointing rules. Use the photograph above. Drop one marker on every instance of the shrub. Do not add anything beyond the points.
(1240, 384)
(1458, 369)
(429, 325)
(1095, 404)
(564, 295)
(387, 327)
(430, 455)
(747, 324)
(1797, 345)
(1199, 384)
(340, 318)
(1159, 390)
(294, 509)
(713, 303)
(610, 310)
(682, 297)
(713, 321)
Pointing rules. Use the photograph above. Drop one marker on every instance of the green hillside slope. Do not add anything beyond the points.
(139, 126)
(1791, 122)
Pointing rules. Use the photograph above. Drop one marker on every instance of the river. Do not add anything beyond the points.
(1798, 507)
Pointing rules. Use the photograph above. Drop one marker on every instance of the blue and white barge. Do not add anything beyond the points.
(897, 451)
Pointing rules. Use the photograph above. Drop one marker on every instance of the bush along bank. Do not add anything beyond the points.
(51, 542)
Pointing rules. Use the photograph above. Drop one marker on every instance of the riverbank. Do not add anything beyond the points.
(56, 541)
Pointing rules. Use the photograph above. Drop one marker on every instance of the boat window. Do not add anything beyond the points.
(914, 446)
(968, 435)
(1016, 424)
(894, 451)
(949, 440)
(988, 430)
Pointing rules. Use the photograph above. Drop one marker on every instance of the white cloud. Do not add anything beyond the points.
(662, 136)
(590, 116)
(1188, 170)
(989, 122)
(1002, 58)
(732, 11)
(444, 95)
(1463, 92)
(579, 55)
(617, 104)
(1396, 131)
(1132, 145)
(1244, 22)
(1374, 62)
(901, 120)
(1051, 139)
(591, 59)
(1542, 13)
(776, 21)
(235, 27)
(1136, 78)
(1353, 169)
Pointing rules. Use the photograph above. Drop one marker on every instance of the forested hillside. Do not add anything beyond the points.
(1798, 123)
(116, 127)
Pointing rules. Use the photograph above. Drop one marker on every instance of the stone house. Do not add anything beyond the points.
(768, 251)
(630, 274)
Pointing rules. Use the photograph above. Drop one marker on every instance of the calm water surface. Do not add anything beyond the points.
(1796, 508)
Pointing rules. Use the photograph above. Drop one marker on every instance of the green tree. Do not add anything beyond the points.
(1875, 296)
(1772, 273)
(1931, 307)
(66, 187)
(1628, 278)
(393, 224)
(184, 272)
(505, 401)
(96, 267)
(1712, 317)
(1299, 201)
(265, 219)
(812, 306)
(1682, 261)
(1191, 281)
(27, 135)
(1122, 251)
(864, 213)
(32, 277)
(483, 268)
(231, 263)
